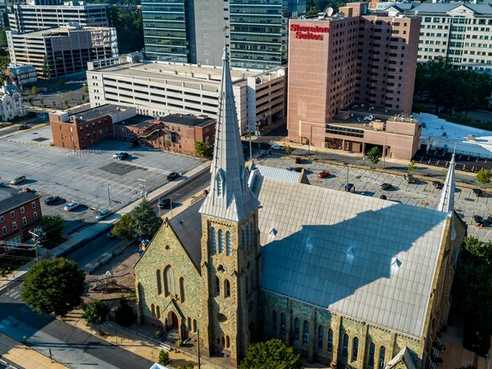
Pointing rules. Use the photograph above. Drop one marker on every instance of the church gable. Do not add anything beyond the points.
(166, 274)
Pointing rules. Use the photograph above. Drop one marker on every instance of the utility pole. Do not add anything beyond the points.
(198, 349)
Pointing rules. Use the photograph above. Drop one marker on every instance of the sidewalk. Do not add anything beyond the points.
(24, 356)
(90, 232)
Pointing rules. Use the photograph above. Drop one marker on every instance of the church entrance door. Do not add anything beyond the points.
(172, 321)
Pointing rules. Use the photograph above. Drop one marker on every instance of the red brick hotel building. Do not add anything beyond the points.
(356, 71)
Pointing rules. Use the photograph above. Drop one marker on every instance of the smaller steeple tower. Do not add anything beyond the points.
(446, 204)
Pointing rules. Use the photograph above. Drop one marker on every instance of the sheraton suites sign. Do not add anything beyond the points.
(309, 32)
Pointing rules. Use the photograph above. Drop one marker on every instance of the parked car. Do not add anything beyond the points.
(479, 220)
(18, 180)
(276, 147)
(70, 206)
(164, 203)
(478, 192)
(324, 174)
(102, 213)
(410, 178)
(121, 156)
(173, 176)
(387, 187)
(23, 127)
(383, 197)
(53, 200)
(349, 187)
(437, 185)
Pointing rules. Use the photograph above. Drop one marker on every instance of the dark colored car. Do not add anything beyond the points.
(23, 127)
(478, 192)
(164, 203)
(324, 174)
(383, 197)
(410, 178)
(121, 156)
(349, 187)
(387, 187)
(479, 220)
(173, 176)
(53, 200)
(437, 185)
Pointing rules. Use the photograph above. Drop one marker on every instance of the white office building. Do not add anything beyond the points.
(10, 102)
(33, 17)
(159, 89)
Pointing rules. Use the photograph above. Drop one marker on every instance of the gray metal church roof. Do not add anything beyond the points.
(441, 8)
(370, 259)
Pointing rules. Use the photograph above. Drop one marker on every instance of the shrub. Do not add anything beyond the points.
(164, 357)
(95, 312)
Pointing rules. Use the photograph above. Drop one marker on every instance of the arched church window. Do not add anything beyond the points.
(221, 241)
(195, 326)
(228, 342)
(320, 337)
(217, 286)
(182, 289)
(305, 332)
(228, 243)
(329, 340)
(296, 329)
(372, 349)
(227, 288)
(283, 330)
(159, 283)
(168, 281)
(345, 343)
(355, 348)
(212, 240)
(252, 237)
(158, 312)
(382, 353)
(152, 310)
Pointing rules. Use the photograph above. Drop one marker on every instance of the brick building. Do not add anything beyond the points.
(79, 130)
(20, 212)
(174, 132)
(348, 59)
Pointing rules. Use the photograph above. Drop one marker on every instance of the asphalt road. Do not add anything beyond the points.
(68, 345)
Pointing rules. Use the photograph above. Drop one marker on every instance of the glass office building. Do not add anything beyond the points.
(167, 28)
(193, 31)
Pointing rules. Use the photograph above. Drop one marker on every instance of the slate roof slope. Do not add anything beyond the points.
(367, 258)
(187, 226)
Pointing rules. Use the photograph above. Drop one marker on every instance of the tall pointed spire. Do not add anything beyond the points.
(229, 197)
(446, 204)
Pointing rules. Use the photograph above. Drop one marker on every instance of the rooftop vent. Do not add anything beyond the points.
(395, 265)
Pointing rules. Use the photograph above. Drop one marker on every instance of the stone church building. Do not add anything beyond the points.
(348, 280)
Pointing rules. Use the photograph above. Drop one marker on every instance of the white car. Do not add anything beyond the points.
(72, 205)
(276, 147)
(102, 213)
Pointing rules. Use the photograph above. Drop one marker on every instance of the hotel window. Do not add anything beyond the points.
(24, 220)
(22, 210)
(14, 226)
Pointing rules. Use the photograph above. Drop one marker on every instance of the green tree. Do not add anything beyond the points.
(204, 150)
(124, 228)
(95, 312)
(483, 176)
(411, 167)
(129, 27)
(34, 90)
(164, 357)
(271, 354)
(472, 293)
(52, 226)
(53, 286)
(374, 155)
(144, 221)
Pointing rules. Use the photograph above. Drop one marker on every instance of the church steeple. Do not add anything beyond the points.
(229, 197)
(446, 204)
